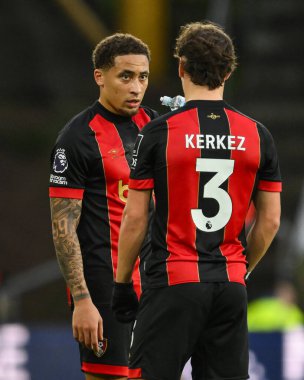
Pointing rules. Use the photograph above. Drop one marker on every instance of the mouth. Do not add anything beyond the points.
(133, 103)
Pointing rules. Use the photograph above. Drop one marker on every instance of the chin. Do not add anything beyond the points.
(131, 112)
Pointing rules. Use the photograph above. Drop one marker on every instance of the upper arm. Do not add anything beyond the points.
(144, 158)
(138, 202)
(268, 205)
(70, 162)
(269, 171)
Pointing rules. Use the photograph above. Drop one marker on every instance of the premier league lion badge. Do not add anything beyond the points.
(60, 161)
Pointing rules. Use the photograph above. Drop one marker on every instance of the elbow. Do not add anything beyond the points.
(135, 220)
(272, 224)
(276, 225)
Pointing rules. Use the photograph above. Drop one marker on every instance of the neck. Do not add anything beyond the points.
(195, 92)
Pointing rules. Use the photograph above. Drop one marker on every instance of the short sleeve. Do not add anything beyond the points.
(141, 177)
(69, 166)
(269, 173)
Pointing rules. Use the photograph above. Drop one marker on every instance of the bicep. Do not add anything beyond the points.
(138, 203)
(268, 204)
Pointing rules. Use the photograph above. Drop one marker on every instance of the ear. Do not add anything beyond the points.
(99, 77)
(181, 71)
(227, 76)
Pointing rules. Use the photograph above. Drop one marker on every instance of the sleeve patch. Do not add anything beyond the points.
(60, 163)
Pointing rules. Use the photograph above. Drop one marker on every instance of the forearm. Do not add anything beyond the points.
(265, 227)
(258, 241)
(65, 217)
(132, 234)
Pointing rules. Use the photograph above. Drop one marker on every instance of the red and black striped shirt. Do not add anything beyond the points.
(204, 162)
(91, 161)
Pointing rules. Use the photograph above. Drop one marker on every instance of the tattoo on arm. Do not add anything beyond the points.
(65, 215)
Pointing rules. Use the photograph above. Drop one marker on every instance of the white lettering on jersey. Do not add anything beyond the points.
(210, 142)
(59, 180)
(189, 142)
(241, 143)
(220, 142)
(224, 142)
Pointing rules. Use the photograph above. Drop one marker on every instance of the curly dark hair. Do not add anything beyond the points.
(207, 53)
(117, 44)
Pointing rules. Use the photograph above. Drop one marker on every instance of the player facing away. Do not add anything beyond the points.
(205, 162)
(90, 167)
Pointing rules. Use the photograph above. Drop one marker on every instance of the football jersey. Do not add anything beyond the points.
(91, 161)
(204, 161)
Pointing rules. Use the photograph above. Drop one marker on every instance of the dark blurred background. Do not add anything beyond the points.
(46, 78)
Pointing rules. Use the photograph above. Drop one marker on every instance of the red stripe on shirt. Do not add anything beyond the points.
(137, 279)
(104, 369)
(141, 184)
(240, 187)
(141, 118)
(182, 263)
(65, 192)
(69, 296)
(270, 186)
(116, 169)
(134, 373)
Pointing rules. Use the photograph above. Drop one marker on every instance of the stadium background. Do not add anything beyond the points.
(46, 77)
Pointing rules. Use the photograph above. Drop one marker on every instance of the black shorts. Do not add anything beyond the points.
(114, 361)
(204, 321)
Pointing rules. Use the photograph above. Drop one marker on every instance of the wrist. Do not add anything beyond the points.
(121, 285)
(82, 297)
(123, 279)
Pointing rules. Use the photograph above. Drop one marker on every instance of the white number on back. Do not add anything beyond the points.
(223, 169)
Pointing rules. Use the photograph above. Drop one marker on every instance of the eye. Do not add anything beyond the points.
(125, 76)
(143, 77)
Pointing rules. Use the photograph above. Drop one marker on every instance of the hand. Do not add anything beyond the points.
(87, 324)
(124, 302)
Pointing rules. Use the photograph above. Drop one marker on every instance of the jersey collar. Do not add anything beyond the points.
(110, 115)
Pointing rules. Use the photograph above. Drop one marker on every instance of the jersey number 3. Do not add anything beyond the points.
(223, 169)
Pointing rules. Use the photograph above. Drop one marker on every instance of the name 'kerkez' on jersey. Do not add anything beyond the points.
(227, 142)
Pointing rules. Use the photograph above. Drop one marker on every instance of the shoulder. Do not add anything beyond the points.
(78, 126)
(161, 122)
(240, 114)
(149, 111)
(262, 129)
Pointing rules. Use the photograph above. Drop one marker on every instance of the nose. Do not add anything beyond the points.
(136, 86)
